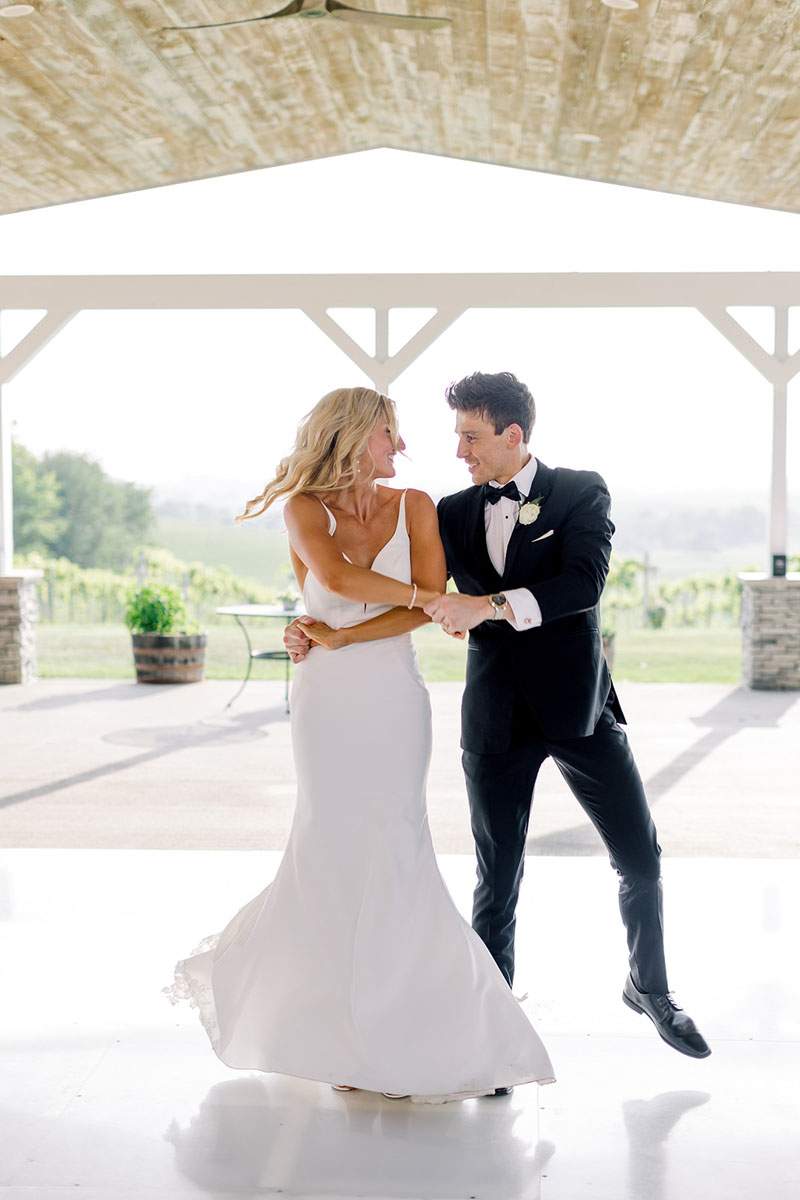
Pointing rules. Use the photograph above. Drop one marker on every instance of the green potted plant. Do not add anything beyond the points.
(289, 598)
(166, 649)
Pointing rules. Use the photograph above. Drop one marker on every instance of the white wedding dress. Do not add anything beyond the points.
(354, 965)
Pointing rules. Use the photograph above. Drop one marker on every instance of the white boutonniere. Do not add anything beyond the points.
(529, 512)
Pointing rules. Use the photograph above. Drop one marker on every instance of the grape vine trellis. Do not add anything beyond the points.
(71, 594)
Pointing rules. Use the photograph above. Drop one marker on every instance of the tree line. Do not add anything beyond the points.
(66, 507)
(90, 533)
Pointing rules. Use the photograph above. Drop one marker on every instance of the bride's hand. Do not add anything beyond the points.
(322, 635)
(295, 641)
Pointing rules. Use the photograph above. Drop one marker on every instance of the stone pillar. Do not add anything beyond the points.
(19, 612)
(770, 632)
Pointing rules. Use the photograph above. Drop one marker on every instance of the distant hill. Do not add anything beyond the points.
(696, 538)
(682, 537)
(252, 550)
(195, 512)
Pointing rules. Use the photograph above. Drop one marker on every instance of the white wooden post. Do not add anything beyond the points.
(10, 365)
(778, 524)
(779, 368)
(382, 375)
(6, 495)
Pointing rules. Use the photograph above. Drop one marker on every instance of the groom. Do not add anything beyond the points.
(528, 547)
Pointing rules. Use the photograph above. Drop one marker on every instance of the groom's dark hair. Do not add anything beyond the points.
(499, 398)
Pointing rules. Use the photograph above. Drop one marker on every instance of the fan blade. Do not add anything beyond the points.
(291, 10)
(343, 12)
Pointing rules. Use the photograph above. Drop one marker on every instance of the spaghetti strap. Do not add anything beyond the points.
(331, 518)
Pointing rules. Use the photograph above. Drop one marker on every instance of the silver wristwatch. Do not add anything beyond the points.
(498, 603)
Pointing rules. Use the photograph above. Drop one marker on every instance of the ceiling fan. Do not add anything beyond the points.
(340, 12)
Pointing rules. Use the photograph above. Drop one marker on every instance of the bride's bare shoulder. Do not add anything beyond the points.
(304, 507)
(417, 501)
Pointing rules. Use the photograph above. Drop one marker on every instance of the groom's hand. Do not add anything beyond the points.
(296, 642)
(457, 613)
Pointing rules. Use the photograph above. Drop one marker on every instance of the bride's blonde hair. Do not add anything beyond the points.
(329, 441)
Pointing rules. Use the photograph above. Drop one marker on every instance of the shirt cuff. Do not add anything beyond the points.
(527, 614)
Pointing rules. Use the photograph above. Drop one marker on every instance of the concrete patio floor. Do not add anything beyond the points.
(109, 1093)
(95, 764)
(124, 810)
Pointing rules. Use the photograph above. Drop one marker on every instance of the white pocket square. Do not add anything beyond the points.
(549, 533)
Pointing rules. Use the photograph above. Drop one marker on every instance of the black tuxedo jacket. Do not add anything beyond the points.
(558, 667)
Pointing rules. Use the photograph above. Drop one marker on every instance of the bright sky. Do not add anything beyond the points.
(203, 405)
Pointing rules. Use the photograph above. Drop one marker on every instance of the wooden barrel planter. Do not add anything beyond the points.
(169, 657)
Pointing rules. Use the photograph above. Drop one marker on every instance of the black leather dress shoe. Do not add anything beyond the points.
(503, 1091)
(672, 1023)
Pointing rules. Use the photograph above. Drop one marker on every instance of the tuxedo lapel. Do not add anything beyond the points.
(477, 550)
(542, 486)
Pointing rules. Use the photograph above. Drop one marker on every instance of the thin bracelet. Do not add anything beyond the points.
(413, 597)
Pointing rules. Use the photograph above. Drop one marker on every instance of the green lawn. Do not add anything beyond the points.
(711, 655)
(651, 656)
(249, 550)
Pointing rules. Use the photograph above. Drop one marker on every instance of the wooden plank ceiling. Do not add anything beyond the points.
(697, 97)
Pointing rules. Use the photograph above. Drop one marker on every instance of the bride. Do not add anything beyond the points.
(354, 967)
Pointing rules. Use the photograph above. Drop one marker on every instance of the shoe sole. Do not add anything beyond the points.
(634, 1007)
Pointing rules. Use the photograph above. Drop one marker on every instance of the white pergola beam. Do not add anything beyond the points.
(450, 295)
(548, 290)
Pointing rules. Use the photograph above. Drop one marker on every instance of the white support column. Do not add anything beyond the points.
(382, 334)
(381, 373)
(10, 365)
(779, 368)
(778, 524)
(6, 494)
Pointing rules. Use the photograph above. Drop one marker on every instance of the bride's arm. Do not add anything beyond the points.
(387, 625)
(427, 570)
(307, 524)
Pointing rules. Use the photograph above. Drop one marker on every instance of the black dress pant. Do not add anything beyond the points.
(603, 777)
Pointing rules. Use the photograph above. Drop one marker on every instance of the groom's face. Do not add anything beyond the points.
(488, 455)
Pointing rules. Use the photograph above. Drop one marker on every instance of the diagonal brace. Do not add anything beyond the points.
(383, 368)
(43, 331)
(442, 319)
(334, 331)
(778, 368)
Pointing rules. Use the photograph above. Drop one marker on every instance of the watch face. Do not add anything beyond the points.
(498, 600)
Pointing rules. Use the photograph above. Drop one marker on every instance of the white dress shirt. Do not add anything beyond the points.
(501, 519)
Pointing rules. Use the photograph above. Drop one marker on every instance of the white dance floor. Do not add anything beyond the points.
(108, 1092)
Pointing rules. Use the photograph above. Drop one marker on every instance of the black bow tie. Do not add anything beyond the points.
(492, 494)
